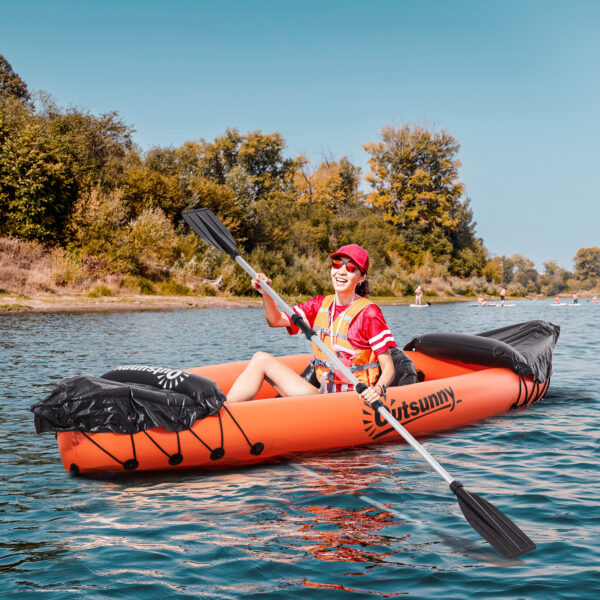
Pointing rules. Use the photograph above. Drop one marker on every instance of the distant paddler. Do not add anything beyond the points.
(502, 295)
(418, 295)
(481, 300)
(595, 300)
(575, 298)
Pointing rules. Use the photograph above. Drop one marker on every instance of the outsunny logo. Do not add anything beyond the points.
(407, 412)
(166, 378)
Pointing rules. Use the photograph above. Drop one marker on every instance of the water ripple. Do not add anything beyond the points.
(368, 523)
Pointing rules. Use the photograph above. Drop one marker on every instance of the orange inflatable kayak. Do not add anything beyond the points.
(452, 395)
(461, 379)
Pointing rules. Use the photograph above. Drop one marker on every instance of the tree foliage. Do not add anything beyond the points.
(414, 177)
(11, 85)
(48, 158)
(333, 184)
(587, 263)
(37, 188)
(75, 179)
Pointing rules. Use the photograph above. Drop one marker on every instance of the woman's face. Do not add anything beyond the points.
(343, 280)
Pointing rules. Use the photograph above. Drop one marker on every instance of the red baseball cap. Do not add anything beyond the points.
(356, 253)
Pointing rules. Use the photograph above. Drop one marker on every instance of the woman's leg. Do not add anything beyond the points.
(265, 366)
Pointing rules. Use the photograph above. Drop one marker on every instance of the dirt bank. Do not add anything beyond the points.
(75, 303)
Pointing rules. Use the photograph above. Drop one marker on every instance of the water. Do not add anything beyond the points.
(368, 523)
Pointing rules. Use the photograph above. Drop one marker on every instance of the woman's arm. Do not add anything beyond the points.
(375, 392)
(387, 370)
(275, 318)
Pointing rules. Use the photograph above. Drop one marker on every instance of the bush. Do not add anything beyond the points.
(66, 270)
(100, 290)
(139, 285)
(150, 238)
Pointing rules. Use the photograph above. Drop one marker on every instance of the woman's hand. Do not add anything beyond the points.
(371, 395)
(260, 277)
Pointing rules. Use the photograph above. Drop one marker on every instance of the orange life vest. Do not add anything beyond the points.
(362, 362)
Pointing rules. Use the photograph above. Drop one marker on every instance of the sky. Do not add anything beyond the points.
(516, 82)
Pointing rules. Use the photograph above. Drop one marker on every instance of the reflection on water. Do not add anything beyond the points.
(369, 522)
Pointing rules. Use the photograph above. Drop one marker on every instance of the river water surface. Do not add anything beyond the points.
(364, 523)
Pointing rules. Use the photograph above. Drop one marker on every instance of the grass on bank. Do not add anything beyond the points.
(30, 270)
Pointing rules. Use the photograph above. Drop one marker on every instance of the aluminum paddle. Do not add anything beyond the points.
(492, 524)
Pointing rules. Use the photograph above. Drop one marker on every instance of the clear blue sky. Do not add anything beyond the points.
(517, 82)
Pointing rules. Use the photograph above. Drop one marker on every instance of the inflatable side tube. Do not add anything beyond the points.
(469, 349)
(525, 348)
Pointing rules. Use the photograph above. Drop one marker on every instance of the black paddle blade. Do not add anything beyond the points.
(211, 230)
(492, 524)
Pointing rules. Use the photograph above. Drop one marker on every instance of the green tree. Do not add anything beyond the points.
(37, 188)
(414, 176)
(587, 263)
(554, 279)
(146, 187)
(508, 269)
(468, 255)
(99, 225)
(255, 155)
(11, 84)
(526, 274)
(94, 146)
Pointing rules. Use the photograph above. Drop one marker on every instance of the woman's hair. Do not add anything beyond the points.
(362, 289)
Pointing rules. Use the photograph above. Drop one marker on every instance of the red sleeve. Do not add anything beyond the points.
(308, 311)
(369, 330)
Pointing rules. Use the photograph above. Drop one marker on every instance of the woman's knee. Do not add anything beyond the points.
(261, 356)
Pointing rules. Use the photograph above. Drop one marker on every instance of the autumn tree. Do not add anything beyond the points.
(587, 263)
(414, 176)
(493, 270)
(333, 184)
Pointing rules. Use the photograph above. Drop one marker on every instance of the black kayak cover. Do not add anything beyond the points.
(525, 348)
(101, 405)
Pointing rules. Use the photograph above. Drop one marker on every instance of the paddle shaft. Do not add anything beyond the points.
(315, 339)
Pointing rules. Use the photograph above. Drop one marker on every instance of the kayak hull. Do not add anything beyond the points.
(452, 395)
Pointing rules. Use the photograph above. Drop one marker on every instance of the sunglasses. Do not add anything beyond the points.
(338, 263)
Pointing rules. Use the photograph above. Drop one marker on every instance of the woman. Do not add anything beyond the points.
(350, 325)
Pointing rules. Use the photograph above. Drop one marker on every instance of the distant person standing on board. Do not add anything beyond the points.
(575, 298)
(418, 295)
(502, 295)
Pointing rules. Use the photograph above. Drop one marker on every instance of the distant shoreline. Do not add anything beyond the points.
(11, 304)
